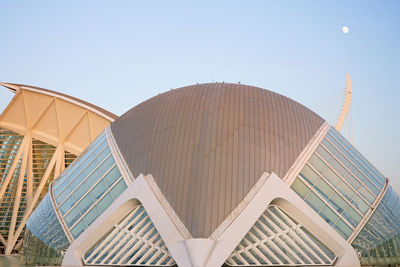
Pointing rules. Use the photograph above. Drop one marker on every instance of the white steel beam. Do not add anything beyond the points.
(17, 201)
(38, 191)
(13, 166)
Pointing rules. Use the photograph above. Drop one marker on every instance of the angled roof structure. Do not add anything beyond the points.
(41, 132)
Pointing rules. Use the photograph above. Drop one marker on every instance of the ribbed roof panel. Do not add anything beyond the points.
(207, 145)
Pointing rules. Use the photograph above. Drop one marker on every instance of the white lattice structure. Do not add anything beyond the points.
(278, 240)
(41, 132)
(300, 238)
(133, 242)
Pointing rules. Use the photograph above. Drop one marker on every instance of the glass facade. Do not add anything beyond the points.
(336, 181)
(44, 224)
(339, 183)
(379, 240)
(34, 251)
(45, 239)
(41, 155)
(9, 145)
(88, 187)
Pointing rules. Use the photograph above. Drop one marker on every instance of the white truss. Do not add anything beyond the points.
(40, 135)
(277, 240)
(134, 241)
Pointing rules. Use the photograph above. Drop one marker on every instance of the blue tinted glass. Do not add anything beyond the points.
(99, 189)
(372, 187)
(112, 176)
(358, 164)
(379, 241)
(72, 217)
(360, 204)
(367, 195)
(329, 216)
(343, 229)
(105, 166)
(91, 186)
(44, 224)
(82, 189)
(95, 163)
(56, 187)
(67, 205)
(82, 171)
(85, 203)
(338, 203)
(92, 215)
(358, 155)
(118, 188)
(314, 201)
(62, 197)
(352, 216)
(98, 173)
(352, 180)
(105, 202)
(78, 228)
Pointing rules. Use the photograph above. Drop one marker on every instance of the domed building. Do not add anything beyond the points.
(218, 175)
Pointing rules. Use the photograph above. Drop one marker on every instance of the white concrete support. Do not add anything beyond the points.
(199, 250)
(274, 191)
(213, 251)
(140, 189)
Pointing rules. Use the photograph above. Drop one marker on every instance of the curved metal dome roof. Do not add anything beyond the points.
(207, 145)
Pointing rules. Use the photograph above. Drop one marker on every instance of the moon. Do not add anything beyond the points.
(345, 29)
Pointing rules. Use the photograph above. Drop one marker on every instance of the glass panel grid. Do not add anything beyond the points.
(91, 211)
(41, 155)
(351, 168)
(89, 176)
(341, 190)
(44, 225)
(352, 186)
(59, 183)
(357, 154)
(337, 177)
(83, 170)
(81, 193)
(327, 207)
(369, 169)
(350, 172)
(378, 243)
(89, 188)
(9, 144)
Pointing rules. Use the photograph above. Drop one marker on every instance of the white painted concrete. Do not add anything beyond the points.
(211, 252)
(199, 250)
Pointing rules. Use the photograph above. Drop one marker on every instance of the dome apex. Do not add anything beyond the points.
(206, 145)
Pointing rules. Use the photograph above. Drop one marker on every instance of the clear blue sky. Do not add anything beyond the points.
(118, 53)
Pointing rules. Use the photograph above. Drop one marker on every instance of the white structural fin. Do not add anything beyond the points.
(346, 106)
(276, 239)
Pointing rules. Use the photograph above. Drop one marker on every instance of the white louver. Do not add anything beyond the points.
(278, 240)
(133, 242)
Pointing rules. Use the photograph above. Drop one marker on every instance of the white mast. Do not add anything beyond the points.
(346, 110)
